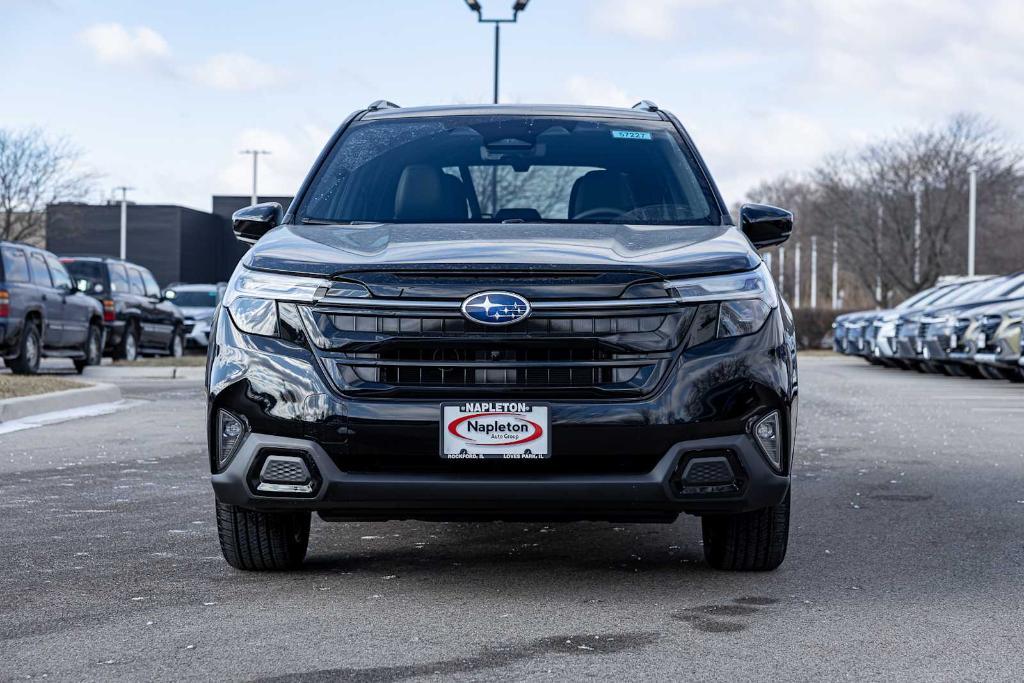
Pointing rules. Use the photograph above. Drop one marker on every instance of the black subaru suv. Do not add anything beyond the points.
(43, 313)
(504, 312)
(139, 319)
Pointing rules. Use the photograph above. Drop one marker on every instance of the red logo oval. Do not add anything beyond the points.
(454, 425)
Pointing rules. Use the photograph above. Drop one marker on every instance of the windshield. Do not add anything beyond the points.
(89, 276)
(510, 169)
(919, 297)
(197, 298)
(972, 291)
(1013, 286)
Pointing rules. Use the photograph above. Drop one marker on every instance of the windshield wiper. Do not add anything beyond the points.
(324, 221)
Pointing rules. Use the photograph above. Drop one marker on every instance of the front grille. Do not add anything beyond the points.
(989, 326)
(403, 347)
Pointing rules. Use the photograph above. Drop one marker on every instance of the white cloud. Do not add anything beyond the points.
(236, 71)
(653, 19)
(743, 149)
(117, 44)
(141, 46)
(931, 57)
(587, 90)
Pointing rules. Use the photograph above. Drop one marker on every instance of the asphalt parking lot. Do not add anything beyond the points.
(905, 562)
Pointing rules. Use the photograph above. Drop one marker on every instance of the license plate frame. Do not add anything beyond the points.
(515, 435)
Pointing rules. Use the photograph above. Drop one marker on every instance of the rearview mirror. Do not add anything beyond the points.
(765, 225)
(253, 222)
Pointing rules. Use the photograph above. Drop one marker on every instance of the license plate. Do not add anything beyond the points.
(920, 346)
(953, 342)
(495, 430)
(982, 342)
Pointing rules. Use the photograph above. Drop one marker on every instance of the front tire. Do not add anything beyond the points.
(30, 350)
(128, 349)
(749, 541)
(93, 350)
(177, 347)
(262, 541)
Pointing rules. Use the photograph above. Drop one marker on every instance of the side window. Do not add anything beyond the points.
(40, 273)
(135, 282)
(118, 278)
(60, 276)
(152, 288)
(15, 265)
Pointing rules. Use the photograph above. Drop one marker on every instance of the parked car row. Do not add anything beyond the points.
(85, 307)
(967, 328)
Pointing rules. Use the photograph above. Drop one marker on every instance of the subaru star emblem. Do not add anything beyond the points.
(496, 308)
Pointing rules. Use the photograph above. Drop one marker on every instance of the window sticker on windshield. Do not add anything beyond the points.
(631, 135)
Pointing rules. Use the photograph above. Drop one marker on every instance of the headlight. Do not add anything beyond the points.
(745, 299)
(252, 297)
(262, 285)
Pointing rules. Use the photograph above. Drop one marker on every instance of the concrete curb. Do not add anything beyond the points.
(106, 372)
(27, 406)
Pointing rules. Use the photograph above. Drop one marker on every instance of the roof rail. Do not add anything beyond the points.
(645, 105)
(377, 105)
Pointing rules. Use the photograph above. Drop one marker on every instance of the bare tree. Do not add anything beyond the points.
(35, 172)
(868, 197)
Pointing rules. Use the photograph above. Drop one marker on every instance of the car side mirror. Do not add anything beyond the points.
(765, 225)
(253, 222)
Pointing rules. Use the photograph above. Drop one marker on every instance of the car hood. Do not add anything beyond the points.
(661, 250)
(1009, 306)
(997, 306)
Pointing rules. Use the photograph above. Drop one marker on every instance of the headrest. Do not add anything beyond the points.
(601, 190)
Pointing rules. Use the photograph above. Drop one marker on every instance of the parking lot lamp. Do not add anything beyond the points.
(835, 268)
(918, 188)
(814, 271)
(796, 276)
(517, 7)
(255, 160)
(124, 219)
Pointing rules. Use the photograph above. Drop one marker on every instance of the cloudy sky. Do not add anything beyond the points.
(162, 95)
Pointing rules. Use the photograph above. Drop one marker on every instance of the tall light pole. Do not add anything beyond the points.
(124, 219)
(796, 276)
(255, 161)
(972, 217)
(517, 7)
(814, 271)
(918, 187)
(878, 256)
(835, 268)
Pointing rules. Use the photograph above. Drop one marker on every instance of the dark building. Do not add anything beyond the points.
(176, 243)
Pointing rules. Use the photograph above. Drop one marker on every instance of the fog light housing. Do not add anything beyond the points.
(769, 438)
(230, 432)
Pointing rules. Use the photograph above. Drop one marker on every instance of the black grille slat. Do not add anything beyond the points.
(553, 367)
(411, 326)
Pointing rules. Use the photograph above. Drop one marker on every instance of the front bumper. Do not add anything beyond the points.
(1005, 349)
(378, 458)
(197, 334)
(649, 496)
